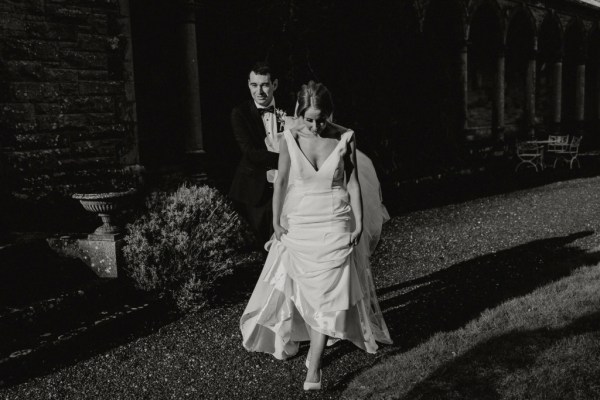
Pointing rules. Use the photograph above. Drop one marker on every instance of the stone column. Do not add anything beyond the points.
(557, 94)
(190, 81)
(498, 112)
(128, 111)
(464, 82)
(530, 82)
(580, 96)
(597, 116)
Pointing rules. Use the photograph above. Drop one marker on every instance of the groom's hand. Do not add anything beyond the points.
(296, 126)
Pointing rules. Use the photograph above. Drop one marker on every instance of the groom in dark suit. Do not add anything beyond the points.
(252, 122)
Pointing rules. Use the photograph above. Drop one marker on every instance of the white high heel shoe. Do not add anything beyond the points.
(313, 385)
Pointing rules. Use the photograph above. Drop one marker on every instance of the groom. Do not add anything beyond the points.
(255, 127)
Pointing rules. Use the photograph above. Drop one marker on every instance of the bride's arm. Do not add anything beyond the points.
(279, 189)
(355, 196)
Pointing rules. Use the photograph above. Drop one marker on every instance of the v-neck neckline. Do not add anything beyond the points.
(326, 159)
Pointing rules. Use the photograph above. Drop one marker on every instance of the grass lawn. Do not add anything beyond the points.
(545, 345)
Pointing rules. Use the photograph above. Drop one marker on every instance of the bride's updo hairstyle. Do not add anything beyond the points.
(314, 95)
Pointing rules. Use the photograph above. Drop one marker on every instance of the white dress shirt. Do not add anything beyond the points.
(272, 139)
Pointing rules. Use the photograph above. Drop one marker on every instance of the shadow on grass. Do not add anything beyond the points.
(531, 365)
(448, 299)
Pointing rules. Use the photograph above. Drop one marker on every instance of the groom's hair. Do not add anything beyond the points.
(262, 68)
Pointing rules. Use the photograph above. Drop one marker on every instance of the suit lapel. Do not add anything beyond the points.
(258, 122)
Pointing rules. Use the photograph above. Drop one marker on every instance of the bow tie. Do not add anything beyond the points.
(270, 109)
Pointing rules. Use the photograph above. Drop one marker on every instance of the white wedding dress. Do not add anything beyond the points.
(312, 278)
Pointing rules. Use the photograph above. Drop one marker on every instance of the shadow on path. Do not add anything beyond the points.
(32, 272)
(55, 312)
(448, 299)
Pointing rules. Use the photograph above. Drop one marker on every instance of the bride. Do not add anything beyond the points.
(316, 282)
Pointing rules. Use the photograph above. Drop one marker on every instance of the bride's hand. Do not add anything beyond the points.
(279, 231)
(355, 237)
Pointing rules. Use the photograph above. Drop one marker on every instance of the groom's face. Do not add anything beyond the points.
(262, 88)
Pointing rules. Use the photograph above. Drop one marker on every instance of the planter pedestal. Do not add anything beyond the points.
(101, 250)
(102, 253)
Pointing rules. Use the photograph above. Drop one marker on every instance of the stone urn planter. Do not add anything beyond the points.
(106, 205)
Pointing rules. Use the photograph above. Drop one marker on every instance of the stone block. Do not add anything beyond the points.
(35, 71)
(23, 70)
(59, 75)
(95, 148)
(47, 108)
(36, 161)
(102, 253)
(63, 13)
(104, 131)
(47, 122)
(89, 42)
(74, 121)
(16, 112)
(30, 141)
(84, 59)
(22, 49)
(24, 6)
(23, 127)
(68, 89)
(26, 91)
(89, 88)
(93, 75)
(37, 91)
(51, 91)
(97, 24)
(11, 22)
(99, 104)
(51, 31)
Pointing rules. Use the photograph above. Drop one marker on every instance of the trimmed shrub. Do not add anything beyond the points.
(184, 243)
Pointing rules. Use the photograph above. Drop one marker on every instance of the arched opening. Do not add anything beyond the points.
(519, 52)
(155, 47)
(395, 115)
(592, 88)
(485, 40)
(573, 59)
(443, 32)
(549, 53)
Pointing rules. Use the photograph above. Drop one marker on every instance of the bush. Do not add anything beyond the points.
(184, 243)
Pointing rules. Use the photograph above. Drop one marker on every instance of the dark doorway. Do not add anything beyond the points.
(155, 60)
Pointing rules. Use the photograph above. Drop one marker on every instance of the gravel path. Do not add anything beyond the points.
(435, 269)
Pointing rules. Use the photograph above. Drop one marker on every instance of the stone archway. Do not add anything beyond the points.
(166, 82)
(549, 73)
(444, 40)
(592, 87)
(573, 78)
(485, 67)
(520, 74)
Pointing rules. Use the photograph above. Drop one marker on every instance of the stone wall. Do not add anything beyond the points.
(67, 106)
